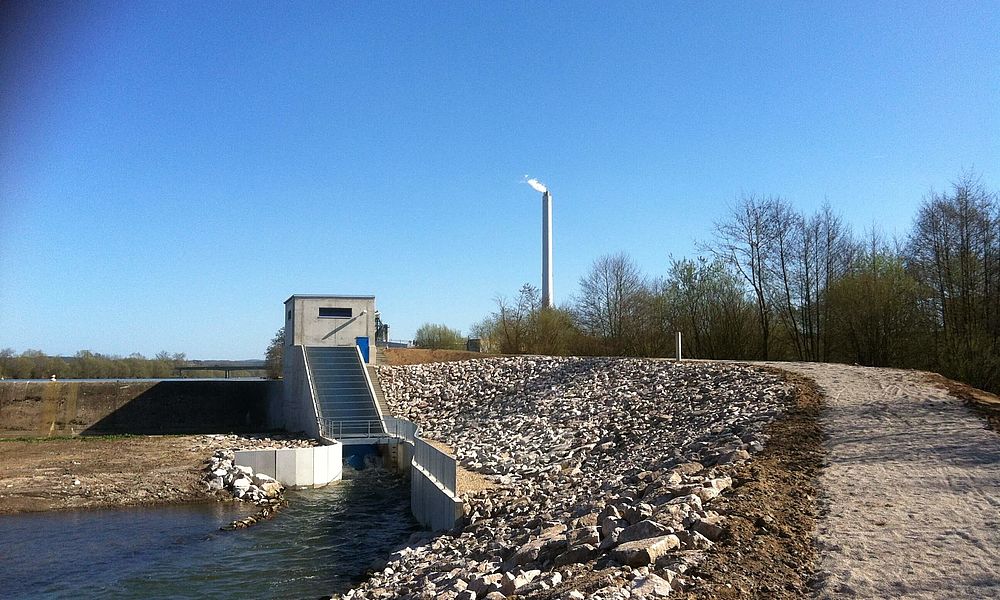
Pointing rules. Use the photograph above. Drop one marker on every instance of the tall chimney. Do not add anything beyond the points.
(546, 249)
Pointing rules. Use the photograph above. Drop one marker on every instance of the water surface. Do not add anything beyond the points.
(322, 543)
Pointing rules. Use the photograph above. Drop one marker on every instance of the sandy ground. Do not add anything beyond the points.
(51, 474)
(40, 474)
(911, 489)
(468, 481)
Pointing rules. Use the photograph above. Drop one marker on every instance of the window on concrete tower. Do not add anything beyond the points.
(330, 311)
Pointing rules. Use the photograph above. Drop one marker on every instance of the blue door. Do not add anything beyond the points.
(363, 344)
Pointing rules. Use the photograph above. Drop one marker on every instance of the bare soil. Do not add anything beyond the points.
(418, 356)
(468, 481)
(89, 472)
(768, 549)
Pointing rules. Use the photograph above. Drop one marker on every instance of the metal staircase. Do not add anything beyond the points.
(344, 397)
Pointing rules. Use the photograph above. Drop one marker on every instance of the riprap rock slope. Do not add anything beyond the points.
(598, 464)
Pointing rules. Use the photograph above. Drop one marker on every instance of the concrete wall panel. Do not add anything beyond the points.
(296, 467)
(332, 459)
(431, 504)
(261, 461)
(303, 467)
(138, 407)
(321, 466)
(284, 461)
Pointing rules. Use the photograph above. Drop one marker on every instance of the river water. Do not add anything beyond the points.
(320, 544)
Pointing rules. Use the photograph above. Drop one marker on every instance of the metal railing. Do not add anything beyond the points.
(432, 461)
(437, 464)
(401, 428)
(313, 396)
(352, 428)
(368, 383)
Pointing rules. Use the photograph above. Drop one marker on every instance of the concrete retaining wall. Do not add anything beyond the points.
(295, 410)
(434, 499)
(297, 467)
(437, 464)
(140, 407)
(434, 506)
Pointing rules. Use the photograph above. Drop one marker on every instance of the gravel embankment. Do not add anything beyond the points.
(605, 472)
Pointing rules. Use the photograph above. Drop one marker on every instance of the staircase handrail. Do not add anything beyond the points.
(368, 382)
(312, 391)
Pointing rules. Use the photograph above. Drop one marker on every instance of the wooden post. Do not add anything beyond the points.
(678, 346)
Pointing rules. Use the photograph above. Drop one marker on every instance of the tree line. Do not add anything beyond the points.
(776, 284)
(438, 337)
(35, 364)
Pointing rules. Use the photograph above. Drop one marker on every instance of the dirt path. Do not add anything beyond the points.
(912, 489)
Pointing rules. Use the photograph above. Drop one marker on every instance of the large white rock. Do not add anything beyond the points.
(650, 586)
(645, 552)
(643, 530)
(261, 479)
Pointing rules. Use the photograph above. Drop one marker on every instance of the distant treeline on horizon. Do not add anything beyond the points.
(35, 364)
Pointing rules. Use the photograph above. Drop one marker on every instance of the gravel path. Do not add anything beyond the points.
(912, 489)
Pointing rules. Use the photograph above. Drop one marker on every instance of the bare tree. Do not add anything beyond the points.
(954, 251)
(509, 328)
(783, 259)
(828, 250)
(610, 301)
(743, 240)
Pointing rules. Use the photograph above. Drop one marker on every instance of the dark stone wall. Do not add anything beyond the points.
(144, 407)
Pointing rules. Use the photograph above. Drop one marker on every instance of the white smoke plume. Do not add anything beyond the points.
(535, 184)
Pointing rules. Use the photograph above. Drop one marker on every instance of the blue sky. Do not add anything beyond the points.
(171, 172)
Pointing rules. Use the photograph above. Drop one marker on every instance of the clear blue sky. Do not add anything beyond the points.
(170, 172)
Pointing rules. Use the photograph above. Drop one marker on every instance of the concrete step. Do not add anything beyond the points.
(379, 395)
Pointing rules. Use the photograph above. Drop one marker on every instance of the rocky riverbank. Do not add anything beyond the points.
(606, 472)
